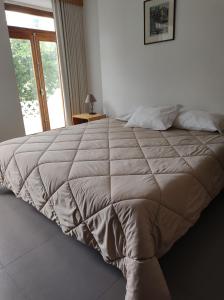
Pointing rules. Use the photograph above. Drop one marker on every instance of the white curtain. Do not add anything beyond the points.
(70, 37)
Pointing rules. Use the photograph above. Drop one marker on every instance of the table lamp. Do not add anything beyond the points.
(90, 99)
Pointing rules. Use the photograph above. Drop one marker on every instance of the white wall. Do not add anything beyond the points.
(91, 24)
(189, 70)
(11, 123)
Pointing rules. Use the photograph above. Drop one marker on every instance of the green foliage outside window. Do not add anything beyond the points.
(23, 62)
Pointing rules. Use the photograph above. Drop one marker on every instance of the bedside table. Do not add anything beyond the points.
(83, 118)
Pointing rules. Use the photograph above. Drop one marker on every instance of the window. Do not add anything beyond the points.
(29, 21)
(34, 51)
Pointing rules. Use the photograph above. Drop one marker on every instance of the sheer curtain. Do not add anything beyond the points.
(68, 17)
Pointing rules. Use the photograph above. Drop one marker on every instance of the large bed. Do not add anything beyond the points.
(130, 193)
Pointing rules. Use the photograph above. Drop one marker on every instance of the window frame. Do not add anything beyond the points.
(35, 36)
(28, 10)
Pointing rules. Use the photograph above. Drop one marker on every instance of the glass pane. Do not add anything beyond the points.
(29, 21)
(52, 84)
(23, 63)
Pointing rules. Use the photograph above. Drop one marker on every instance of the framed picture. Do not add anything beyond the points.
(159, 20)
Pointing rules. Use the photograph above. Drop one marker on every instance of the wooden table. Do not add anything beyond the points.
(83, 118)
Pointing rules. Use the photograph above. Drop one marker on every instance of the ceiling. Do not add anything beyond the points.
(46, 4)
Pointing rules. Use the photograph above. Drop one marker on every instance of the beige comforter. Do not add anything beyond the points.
(129, 193)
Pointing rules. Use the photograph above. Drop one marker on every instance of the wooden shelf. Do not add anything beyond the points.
(83, 118)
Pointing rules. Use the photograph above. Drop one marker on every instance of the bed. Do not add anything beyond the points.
(130, 193)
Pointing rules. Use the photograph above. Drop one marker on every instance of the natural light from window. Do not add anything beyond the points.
(29, 21)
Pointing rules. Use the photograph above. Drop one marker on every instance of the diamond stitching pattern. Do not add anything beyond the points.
(108, 151)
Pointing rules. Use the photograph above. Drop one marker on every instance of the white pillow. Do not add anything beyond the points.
(199, 120)
(156, 118)
(125, 117)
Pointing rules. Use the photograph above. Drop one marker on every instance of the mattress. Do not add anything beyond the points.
(130, 193)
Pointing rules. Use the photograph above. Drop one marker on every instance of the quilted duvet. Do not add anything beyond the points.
(128, 192)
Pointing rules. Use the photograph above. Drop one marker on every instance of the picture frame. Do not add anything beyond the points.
(159, 21)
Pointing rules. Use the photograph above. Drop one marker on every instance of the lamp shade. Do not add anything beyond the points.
(90, 99)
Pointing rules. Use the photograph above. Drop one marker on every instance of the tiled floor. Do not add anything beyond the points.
(38, 262)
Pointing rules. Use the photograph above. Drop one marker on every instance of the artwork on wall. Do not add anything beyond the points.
(159, 19)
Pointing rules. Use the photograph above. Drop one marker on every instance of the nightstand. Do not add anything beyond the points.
(83, 118)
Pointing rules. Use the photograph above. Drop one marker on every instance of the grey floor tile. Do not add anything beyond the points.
(115, 292)
(8, 289)
(8, 201)
(194, 266)
(181, 294)
(22, 228)
(62, 268)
